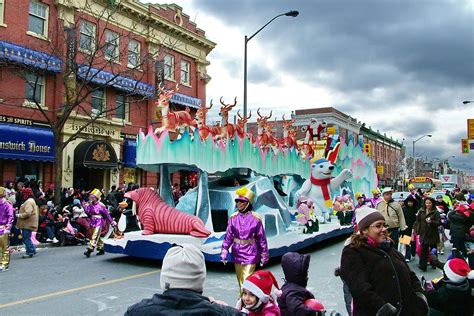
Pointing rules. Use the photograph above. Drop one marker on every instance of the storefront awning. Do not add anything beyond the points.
(26, 143)
(186, 100)
(103, 77)
(29, 57)
(130, 153)
(95, 154)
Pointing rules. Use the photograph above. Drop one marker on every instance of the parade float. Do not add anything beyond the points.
(295, 182)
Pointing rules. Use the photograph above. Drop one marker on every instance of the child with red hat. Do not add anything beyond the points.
(257, 296)
(452, 294)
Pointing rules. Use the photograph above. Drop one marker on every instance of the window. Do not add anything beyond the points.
(133, 53)
(169, 67)
(98, 101)
(2, 5)
(185, 69)
(35, 89)
(87, 36)
(112, 45)
(121, 107)
(38, 18)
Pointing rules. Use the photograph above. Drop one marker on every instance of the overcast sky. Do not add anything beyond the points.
(402, 67)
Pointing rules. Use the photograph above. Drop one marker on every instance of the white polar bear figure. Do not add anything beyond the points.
(318, 188)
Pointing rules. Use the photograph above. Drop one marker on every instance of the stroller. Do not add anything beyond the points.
(69, 236)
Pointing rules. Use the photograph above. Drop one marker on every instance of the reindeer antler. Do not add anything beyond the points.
(249, 115)
(258, 112)
(210, 106)
(283, 117)
(269, 115)
(238, 114)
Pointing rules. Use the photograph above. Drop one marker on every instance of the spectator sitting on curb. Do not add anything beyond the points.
(182, 277)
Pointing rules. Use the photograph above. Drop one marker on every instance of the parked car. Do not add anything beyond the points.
(400, 196)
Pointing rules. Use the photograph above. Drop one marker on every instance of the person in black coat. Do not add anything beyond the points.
(182, 277)
(452, 294)
(427, 221)
(459, 227)
(379, 279)
(410, 208)
(294, 292)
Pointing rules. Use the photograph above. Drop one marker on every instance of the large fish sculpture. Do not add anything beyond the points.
(157, 217)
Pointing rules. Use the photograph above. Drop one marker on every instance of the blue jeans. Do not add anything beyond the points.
(30, 248)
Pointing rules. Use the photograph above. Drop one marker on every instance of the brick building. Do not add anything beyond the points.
(114, 53)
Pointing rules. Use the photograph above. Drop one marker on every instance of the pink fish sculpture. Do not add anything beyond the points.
(157, 217)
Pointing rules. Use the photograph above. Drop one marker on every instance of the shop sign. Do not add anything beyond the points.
(15, 120)
(95, 130)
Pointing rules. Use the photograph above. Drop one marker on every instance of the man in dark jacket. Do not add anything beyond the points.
(182, 277)
(294, 292)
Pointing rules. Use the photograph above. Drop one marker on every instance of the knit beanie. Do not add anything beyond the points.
(260, 284)
(365, 216)
(457, 270)
(27, 193)
(183, 268)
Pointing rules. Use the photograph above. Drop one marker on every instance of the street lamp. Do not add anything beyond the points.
(466, 102)
(414, 162)
(247, 39)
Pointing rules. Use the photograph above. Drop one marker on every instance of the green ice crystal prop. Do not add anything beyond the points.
(212, 157)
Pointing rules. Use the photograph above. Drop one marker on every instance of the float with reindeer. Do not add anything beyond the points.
(294, 181)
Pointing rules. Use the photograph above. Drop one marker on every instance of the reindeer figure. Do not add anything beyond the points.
(227, 129)
(172, 121)
(262, 135)
(288, 141)
(241, 122)
(204, 129)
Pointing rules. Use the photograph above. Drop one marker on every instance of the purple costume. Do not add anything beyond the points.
(6, 216)
(6, 222)
(246, 235)
(98, 214)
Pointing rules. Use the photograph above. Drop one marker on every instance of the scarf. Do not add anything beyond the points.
(324, 184)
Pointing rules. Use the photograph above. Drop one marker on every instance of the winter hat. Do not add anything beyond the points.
(245, 194)
(260, 284)
(365, 216)
(457, 270)
(50, 204)
(183, 268)
(76, 202)
(3, 191)
(463, 209)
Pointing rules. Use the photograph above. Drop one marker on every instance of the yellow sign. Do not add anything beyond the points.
(470, 128)
(331, 130)
(379, 169)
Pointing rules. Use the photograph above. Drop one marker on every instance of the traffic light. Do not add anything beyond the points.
(368, 149)
(465, 146)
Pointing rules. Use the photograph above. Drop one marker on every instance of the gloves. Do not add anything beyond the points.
(224, 254)
(224, 262)
(114, 224)
(386, 310)
(6, 232)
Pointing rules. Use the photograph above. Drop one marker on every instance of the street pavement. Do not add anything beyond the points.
(63, 281)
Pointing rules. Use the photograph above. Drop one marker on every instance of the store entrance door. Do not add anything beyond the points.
(91, 178)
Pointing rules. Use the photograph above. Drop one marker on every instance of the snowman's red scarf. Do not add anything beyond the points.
(324, 184)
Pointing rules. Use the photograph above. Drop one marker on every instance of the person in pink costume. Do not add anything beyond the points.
(6, 222)
(98, 217)
(246, 235)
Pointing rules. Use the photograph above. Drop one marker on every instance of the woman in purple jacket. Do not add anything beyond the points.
(246, 235)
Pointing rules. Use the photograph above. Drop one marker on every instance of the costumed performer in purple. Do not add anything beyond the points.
(98, 217)
(6, 222)
(246, 235)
